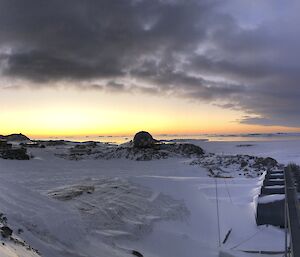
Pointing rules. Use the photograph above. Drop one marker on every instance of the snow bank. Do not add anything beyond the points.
(162, 208)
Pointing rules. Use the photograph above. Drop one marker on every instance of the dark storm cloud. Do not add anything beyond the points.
(90, 39)
(42, 66)
(198, 49)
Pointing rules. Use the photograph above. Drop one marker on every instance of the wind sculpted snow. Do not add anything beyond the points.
(97, 207)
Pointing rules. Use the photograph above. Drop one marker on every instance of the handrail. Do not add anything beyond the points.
(292, 211)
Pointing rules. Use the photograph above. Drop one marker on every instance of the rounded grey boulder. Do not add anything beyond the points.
(6, 231)
(143, 139)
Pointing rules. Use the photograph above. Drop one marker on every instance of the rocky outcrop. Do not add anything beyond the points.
(265, 162)
(45, 143)
(15, 154)
(186, 150)
(142, 148)
(6, 231)
(241, 165)
(4, 145)
(15, 137)
(11, 242)
(155, 152)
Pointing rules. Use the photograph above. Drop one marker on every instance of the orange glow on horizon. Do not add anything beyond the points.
(61, 113)
(240, 129)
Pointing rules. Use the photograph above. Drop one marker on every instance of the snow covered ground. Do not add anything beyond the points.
(160, 208)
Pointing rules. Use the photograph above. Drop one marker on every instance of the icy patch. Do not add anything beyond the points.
(114, 207)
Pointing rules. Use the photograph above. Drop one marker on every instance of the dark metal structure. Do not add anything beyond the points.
(271, 212)
(292, 218)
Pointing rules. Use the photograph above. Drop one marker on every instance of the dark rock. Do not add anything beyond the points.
(4, 220)
(269, 162)
(163, 151)
(143, 154)
(142, 150)
(265, 162)
(90, 144)
(54, 142)
(15, 154)
(244, 145)
(143, 139)
(190, 149)
(6, 231)
(243, 164)
(136, 253)
(4, 145)
(80, 146)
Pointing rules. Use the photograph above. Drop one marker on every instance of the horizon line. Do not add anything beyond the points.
(163, 134)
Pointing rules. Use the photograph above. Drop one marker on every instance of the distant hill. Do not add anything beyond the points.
(15, 137)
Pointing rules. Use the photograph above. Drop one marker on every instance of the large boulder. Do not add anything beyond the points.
(143, 139)
(265, 162)
(6, 231)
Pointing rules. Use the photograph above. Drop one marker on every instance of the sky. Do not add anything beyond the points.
(103, 67)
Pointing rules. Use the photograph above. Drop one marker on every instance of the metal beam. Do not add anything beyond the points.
(292, 205)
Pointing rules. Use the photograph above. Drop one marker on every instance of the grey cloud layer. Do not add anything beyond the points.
(188, 48)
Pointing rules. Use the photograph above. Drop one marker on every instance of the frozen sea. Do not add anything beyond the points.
(205, 137)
